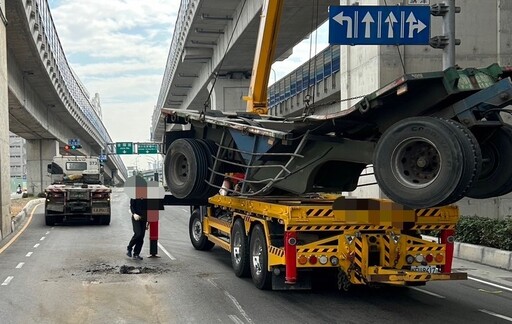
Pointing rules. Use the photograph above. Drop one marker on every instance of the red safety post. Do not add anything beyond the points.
(290, 254)
(448, 239)
(153, 219)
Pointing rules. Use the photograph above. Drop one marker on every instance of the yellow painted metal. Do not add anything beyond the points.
(219, 242)
(264, 56)
(319, 214)
(219, 224)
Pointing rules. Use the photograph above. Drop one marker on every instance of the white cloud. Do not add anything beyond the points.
(118, 48)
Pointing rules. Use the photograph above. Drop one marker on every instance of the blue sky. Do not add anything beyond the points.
(119, 48)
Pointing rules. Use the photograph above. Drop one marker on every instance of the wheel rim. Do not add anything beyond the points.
(182, 169)
(197, 229)
(237, 244)
(256, 257)
(416, 163)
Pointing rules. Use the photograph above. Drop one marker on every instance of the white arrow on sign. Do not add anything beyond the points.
(367, 20)
(419, 26)
(390, 20)
(340, 19)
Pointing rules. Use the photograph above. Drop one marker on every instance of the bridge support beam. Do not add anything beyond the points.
(227, 94)
(5, 192)
(39, 154)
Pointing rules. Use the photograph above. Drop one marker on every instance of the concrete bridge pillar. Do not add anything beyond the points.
(5, 165)
(40, 153)
(227, 94)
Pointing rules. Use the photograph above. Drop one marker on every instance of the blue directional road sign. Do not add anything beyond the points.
(379, 25)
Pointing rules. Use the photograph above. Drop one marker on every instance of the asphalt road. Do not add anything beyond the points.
(71, 274)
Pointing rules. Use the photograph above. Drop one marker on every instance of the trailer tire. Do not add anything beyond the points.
(195, 230)
(472, 155)
(186, 167)
(105, 220)
(49, 220)
(261, 277)
(240, 250)
(496, 176)
(211, 148)
(418, 162)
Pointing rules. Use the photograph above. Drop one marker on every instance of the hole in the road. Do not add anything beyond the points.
(124, 269)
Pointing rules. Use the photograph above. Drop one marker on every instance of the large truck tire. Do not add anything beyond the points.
(496, 176)
(105, 220)
(49, 220)
(261, 277)
(186, 168)
(240, 250)
(419, 162)
(195, 230)
(211, 151)
(472, 155)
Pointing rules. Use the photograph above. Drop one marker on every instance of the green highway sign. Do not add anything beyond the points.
(124, 148)
(144, 148)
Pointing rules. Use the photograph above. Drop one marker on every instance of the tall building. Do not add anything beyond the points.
(18, 161)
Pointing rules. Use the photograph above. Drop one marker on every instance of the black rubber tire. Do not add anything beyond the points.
(49, 220)
(210, 148)
(240, 250)
(496, 176)
(472, 155)
(418, 162)
(105, 220)
(195, 231)
(261, 277)
(186, 167)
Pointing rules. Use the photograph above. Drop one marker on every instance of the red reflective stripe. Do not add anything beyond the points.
(290, 254)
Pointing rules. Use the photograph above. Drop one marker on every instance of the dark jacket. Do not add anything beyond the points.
(140, 207)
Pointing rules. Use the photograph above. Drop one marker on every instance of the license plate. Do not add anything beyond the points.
(429, 269)
(100, 210)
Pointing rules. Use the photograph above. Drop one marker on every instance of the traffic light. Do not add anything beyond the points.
(72, 147)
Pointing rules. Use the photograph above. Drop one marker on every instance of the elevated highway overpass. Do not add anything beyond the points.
(42, 100)
(216, 40)
(47, 102)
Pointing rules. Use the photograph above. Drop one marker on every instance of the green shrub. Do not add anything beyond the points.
(485, 231)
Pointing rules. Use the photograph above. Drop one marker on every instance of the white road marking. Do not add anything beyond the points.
(233, 299)
(42, 238)
(506, 318)
(20, 265)
(428, 292)
(47, 232)
(7, 281)
(29, 254)
(235, 319)
(490, 284)
(185, 210)
(166, 252)
(36, 246)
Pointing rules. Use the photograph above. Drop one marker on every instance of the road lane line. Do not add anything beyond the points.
(490, 284)
(21, 231)
(185, 210)
(427, 292)
(235, 319)
(42, 238)
(36, 246)
(7, 281)
(233, 299)
(29, 254)
(506, 318)
(47, 233)
(20, 265)
(166, 252)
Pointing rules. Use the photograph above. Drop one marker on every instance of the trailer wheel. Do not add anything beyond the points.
(418, 162)
(261, 277)
(49, 220)
(195, 230)
(211, 148)
(496, 176)
(472, 155)
(186, 167)
(105, 220)
(240, 250)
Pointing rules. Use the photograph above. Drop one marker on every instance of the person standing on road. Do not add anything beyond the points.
(139, 212)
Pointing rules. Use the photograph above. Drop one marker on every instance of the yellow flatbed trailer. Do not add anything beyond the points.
(283, 242)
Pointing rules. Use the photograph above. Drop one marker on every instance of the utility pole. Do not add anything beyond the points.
(447, 41)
